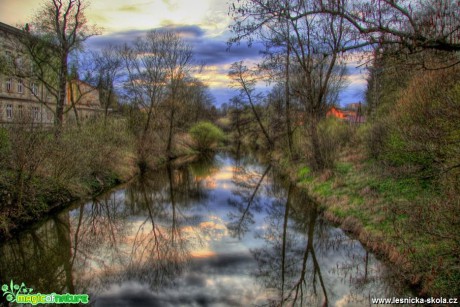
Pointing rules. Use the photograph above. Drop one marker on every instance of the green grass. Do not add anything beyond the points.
(343, 168)
(383, 203)
(324, 189)
(304, 174)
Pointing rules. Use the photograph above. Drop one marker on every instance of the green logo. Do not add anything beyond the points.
(13, 290)
(22, 295)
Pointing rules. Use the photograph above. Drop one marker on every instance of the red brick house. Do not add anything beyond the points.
(352, 114)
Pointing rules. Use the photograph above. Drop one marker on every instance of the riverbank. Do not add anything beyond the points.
(47, 195)
(40, 173)
(391, 216)
(52, 196)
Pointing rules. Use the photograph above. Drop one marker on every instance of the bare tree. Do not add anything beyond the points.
(314, 46)
(158, 73)
(179, 65)
(79, 91)
(433, 24)
(245, 80)
(58, 29)
(146, 75)
(108, 67)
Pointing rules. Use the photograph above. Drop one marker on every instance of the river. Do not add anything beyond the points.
(224, 231)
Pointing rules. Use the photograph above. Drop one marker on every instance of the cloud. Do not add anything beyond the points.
(221, 280)
(224, 264)
(210, 50)
(130, 8)
(128, 294)
(213, 51)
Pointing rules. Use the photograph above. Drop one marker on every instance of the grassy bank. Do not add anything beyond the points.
(49, 196)
(391, 215)
(41, 173)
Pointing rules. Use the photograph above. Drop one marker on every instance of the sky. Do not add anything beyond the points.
(202, 23)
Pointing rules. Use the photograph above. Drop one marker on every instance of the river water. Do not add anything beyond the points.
(223, 231)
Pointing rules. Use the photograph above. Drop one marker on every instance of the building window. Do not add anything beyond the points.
(9, 58)
(20, 111)
(34, 88)
(49, 116)
(36, 113)
(47, 94)
(9, 111)
(19, 63)
(20, 86)
(9, 84)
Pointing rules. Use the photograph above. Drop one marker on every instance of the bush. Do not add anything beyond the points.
(374, 136)
(426, 124)
(332, 135)
(4, 147)
(206, 136)
(90, 153)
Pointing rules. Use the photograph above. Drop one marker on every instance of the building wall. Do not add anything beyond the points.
(18, 102)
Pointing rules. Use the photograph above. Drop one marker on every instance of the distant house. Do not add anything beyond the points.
(335, 112)
(352, 113)
(84, 98)
(20, 97)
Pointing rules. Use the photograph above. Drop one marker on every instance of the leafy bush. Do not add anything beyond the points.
(206, 136)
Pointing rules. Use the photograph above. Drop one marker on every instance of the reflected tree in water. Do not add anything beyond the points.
(148, 232)
(288, 262)
(157, 248)
(247, 184)
(299, 259)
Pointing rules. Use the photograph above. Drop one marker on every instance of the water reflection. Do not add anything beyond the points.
(223, 231)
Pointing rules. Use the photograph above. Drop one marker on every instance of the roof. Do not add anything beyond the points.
(7, 28)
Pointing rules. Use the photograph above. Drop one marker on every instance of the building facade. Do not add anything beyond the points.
(27, 99)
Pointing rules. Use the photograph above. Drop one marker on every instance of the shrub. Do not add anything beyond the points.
(426, 124)
(206, 136)
(90, 153)
(374, 137)
(4, 147)
(332, 135)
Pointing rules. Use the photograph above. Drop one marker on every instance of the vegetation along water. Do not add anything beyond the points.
(341, 189)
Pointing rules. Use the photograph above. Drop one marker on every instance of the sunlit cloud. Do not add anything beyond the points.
(357, 79)
(215, 76)
(202, 23)
(202, 254)
(158, 13)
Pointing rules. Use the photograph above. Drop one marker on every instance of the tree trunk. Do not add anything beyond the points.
(317, 157)
(170, 136)
(74, 105)
(288, 100)
(59, 119)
